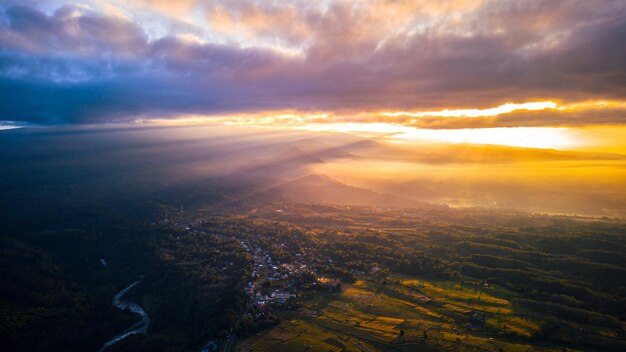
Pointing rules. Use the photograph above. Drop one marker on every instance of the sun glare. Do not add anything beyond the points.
(502, 109)
(375, 125)
(525, 137)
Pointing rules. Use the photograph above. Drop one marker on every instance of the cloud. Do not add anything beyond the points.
(591, 116)
(84, 64)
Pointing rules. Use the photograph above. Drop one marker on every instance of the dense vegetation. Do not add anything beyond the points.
(570, 272)
(63, 209)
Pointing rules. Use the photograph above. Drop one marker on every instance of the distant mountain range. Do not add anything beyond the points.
(318, 188)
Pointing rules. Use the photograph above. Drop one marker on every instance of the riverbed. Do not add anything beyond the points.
(141, 327)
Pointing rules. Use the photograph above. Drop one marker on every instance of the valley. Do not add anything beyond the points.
(240, 253)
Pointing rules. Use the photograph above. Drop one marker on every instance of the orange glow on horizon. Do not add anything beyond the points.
(502, 109)
(373, 125)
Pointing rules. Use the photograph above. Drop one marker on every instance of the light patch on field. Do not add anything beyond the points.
(369, 315)
(357, 294)
(521, 326)
(298, 335)
(469, 297)
(359, 283)
(421, 309)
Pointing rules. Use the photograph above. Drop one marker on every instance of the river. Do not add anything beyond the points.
(141, 327)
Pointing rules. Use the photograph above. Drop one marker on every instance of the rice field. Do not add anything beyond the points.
(404, 314)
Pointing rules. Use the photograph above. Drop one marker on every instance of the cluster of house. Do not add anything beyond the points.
(265, 270)
(178, 220)
(275, 296)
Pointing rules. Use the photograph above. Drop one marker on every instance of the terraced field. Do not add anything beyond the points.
(404, 314)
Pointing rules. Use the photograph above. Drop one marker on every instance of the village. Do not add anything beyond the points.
(271, 282)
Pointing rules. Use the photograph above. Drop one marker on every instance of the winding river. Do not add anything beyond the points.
(141, 327)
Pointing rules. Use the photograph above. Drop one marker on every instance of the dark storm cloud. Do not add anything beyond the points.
(60, 69)
(76, 65)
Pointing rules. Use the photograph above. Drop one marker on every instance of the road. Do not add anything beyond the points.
(230, 342)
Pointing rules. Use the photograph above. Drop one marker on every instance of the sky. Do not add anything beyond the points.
(540, 74)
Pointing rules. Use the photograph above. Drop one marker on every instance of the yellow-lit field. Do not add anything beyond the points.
(404, 314)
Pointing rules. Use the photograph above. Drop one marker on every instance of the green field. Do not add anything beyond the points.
(370, 314)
